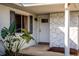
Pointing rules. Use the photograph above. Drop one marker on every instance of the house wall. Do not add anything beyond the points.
(5, 22)
(57, 32)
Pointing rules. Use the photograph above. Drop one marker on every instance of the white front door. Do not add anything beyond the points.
(44, 30)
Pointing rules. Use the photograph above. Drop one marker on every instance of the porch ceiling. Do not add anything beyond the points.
(50, 8)
(43, 8)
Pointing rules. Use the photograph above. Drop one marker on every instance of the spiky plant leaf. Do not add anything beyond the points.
(4, 32)
(12, 28)
(26, 35)
(26, 38)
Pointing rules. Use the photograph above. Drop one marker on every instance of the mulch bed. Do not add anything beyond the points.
(61, 50)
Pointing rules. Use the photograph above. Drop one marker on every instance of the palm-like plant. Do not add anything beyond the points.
(11, 40)
(7, 35)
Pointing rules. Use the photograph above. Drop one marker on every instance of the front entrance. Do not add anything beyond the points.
(44, 30)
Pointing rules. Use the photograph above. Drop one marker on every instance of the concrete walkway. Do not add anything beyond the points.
(40, 50)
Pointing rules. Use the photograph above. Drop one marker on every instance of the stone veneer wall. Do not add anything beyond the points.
(57, 32)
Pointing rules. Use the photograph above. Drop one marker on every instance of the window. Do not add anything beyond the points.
(44, 20)
(18, 22)
(25, 22)
(12, 16)
(21, 21)
(31, 24)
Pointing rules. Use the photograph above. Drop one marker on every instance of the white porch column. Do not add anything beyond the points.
(67, 17)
